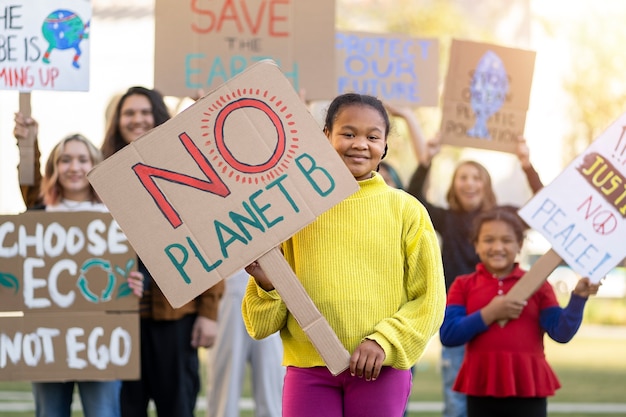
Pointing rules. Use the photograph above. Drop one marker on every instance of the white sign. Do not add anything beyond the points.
(582, 213)
(44, 45)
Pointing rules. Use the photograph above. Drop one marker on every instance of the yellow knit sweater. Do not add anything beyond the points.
(372, 266)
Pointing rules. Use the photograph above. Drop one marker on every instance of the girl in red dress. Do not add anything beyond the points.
(505, 372)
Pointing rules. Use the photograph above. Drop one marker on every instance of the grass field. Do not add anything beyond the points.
(592, 369)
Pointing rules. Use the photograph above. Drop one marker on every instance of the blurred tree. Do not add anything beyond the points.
(594, 80)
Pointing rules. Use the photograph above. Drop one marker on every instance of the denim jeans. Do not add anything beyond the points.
(454, 403)
(98, 398)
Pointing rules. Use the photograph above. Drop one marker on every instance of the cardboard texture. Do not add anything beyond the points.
(396, 68)
(65, 346)
(26, 168)
(65, 274)
(45, 45)
(336, 357)
(486, 95)
(223, 182)
(65, 260)
(533, 278)
(582, 212)
(202, 44)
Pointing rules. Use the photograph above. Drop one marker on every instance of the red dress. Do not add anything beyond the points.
(504, 361)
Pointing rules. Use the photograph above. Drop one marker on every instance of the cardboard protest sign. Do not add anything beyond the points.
(396, 68)
(486, 95)
(45, 45)
(202, 44)
(223, 183)
(59, 261)
(67, 346)
(582, 213)
(65, 274)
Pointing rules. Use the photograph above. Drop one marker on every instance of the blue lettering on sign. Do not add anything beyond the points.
(564, 233)
(222, 69)
(381, 66)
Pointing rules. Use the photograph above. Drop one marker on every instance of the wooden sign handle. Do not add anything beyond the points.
(307, 315)
(533, 278)
(26, 146)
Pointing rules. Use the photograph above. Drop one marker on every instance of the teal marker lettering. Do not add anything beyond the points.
(321, 181)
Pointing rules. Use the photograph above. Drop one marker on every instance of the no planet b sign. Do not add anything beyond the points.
(222, 183)
(582, 213)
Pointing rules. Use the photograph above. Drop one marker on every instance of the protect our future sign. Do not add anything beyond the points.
(396, 68)
(44, 45)
(582, 213)
(66, 310)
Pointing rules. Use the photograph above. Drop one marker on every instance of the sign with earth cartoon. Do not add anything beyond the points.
(44, 45)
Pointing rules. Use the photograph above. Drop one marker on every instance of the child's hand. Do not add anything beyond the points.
(501, 308)
(135, 282)
(261, 279)
(584, 288)
(367, 360)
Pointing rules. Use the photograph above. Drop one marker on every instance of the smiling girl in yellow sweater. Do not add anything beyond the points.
(372, 266)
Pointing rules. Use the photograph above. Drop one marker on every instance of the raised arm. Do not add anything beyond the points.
(26, 127)
(523, 154)
(420, 147)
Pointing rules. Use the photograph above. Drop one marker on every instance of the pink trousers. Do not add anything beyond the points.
(314, 392)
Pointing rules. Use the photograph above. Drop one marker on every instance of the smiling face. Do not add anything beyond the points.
(136, 117)
(73, 165)
(358, 134)
(497, 246)
(469, 187)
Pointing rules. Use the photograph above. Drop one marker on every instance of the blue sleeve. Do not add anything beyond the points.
(458, 328)
(561, 324)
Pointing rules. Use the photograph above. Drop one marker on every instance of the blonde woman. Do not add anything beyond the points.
(64, 187)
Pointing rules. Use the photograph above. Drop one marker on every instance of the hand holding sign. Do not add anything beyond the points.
(223, 183)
